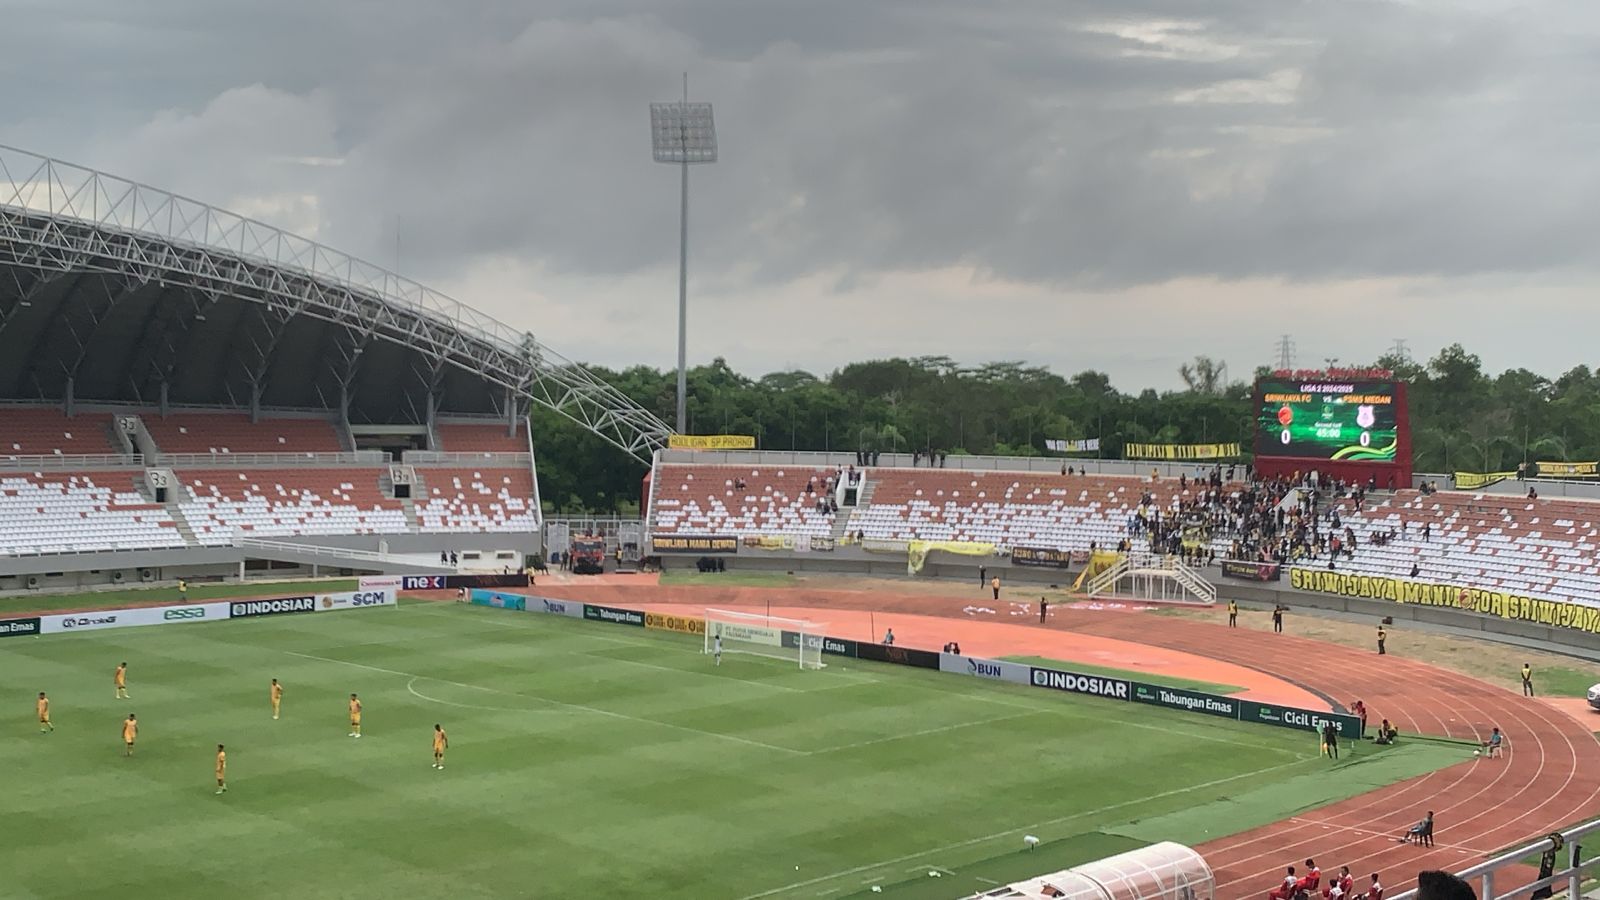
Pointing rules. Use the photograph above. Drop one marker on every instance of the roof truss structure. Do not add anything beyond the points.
(61, 220)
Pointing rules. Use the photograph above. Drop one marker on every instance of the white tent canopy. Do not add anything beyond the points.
(1165, 871)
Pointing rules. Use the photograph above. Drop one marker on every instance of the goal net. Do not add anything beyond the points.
(791, 640)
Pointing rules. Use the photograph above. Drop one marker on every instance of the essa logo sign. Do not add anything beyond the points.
(183, 614)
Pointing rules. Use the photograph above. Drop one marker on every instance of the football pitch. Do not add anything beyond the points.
(588, 759)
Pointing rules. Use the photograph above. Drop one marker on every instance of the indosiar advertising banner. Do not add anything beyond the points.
(498, 599)
(128, 618)
(1075, 683)
(1516, 607)
(903, 656)
(613, 615)
(680, 624)
(1294, 717)
(992, 669)
(1189, 701)
(275, 606)
(356, 599)
(830, 646)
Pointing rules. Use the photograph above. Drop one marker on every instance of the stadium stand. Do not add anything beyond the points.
(1008, 509)
(489, 500)
(480, 438)
(222, 432)
(709, 500)
(283, 502)
(1544, 548)
(41, 431)
(84, 511)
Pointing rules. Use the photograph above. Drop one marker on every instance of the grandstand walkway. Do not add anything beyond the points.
(1549, 778)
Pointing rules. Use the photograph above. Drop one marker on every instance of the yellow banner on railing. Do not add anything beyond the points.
(1568, 469)
(918, 551)
(1172, 452)
(1466, 481)
(1099, 561)
(711, 442)
(1517, 607)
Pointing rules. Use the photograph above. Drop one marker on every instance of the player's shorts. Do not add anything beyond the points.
(355, 720)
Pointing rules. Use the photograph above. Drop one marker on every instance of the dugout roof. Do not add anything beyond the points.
(115, 291)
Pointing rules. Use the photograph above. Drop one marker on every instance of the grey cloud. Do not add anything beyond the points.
(1099, 144)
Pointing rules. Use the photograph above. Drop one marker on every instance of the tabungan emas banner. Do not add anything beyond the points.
(1171, 452)
(711, 442)
(1517, 607)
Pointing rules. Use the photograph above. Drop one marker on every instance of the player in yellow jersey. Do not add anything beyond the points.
(44, 714)
(121, 681)
(441, 742)
(130, 733)
(222, 770)
(355, 716)
(277, 697)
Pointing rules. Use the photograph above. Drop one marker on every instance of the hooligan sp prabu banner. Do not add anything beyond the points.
(1504, 605)
(711, 442)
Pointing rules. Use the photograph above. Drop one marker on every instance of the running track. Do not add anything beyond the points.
(1549, 778)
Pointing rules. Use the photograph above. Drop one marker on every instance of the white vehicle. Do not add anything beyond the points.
(1594, 697)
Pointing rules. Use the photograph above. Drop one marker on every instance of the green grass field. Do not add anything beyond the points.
(592, 759)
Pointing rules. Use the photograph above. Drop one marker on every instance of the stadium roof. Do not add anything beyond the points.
(115, 291)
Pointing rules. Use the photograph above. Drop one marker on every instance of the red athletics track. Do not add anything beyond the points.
(1549, 778)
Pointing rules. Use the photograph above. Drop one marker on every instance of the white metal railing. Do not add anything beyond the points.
(82, 462)
(316, 550)
(1570, 877)
(271, 460)
(454, 458)
(1034, 464)
(33, 553)
(1108, 579)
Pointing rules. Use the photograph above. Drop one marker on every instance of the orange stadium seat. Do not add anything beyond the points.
(706, 500)
(82, 511)
(37, 431)
(477, 500)
(220, 432)
(276, 502)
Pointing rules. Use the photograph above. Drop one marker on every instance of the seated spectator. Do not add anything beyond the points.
(1286, 890)
(1313, 876)
(1375, 892)
(1436, 885)
(1492, 747)
(1421, 833)
(1386, 733)
(1341, 886)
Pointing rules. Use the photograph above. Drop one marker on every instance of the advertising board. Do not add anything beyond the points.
(188, 613)
(355, 599)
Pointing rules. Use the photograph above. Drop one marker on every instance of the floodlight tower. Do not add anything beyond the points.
(683, 133)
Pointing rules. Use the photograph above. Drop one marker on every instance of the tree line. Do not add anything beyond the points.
(1462, 417)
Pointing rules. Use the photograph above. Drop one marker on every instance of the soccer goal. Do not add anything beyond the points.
(791, 640)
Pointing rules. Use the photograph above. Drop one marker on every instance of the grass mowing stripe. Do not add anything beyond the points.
(576, 707)
(970, 842)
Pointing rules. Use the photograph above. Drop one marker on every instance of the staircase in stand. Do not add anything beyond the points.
(841, 522)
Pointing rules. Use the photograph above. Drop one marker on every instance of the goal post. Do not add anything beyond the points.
(791, 640)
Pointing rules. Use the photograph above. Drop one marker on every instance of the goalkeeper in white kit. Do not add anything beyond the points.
(716, 648)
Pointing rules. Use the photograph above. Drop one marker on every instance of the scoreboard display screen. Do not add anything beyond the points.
(1353, 421)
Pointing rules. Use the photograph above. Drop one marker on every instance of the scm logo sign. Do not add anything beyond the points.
(188, 612)
(367, 598)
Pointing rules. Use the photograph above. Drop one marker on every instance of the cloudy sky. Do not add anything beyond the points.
(1115, 184)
